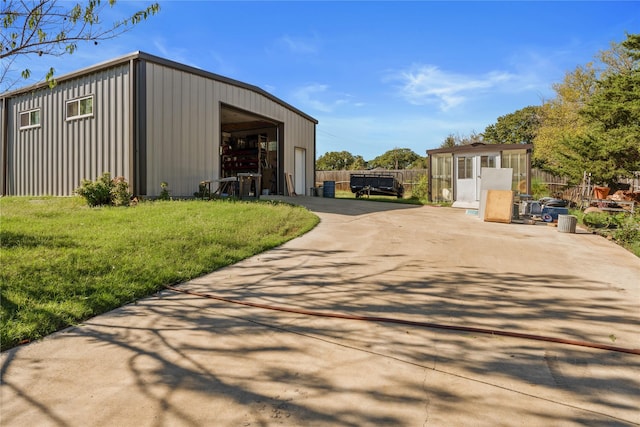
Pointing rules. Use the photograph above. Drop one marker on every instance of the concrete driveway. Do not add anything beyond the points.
(182, 360)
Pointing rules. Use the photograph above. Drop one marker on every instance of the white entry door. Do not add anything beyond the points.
(465, 181)
(299, 171)
(468, 177)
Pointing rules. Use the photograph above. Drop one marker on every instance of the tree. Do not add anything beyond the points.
(632, 46)
(455, 140)
(420, 163)
(619, 57)
(398, 158)
(342, 160)
(613, 113)
(520, 127)
(560, 118)
(449, 142)
(609, 145)
(473, 138)
(358, 163)
(52, 27)
(586, 153)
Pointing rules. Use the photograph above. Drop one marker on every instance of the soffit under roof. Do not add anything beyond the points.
(232, 120)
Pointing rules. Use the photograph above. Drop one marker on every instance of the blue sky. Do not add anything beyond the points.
(378, 75)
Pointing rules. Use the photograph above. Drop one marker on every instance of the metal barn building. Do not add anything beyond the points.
(151, 120)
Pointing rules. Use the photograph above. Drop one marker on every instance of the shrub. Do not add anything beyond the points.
(597, 220)
(164, 192)
(539, 189)
(420, 190)
(628, 231)
(98, 192)
(105, 191)
(120, 195)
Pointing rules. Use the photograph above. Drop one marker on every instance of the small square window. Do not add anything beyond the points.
(30, 119)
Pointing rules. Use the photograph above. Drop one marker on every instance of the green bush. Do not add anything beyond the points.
(98, 192)
(628, 231)
(120, 195)
(164, 192)
(539, 189)
(597, 220)
(421, 189)
(105, 191)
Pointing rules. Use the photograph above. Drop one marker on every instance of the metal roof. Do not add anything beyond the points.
(480, 147)
(138, 55)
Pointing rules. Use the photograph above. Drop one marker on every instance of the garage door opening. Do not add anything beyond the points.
(251, 145)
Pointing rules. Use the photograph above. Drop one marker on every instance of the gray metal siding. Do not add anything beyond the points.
(54, 158)
(3, 145)
(180, 130)
(300, 133)
(176, 113)
(183, 128)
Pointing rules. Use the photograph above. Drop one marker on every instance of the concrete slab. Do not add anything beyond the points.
(182, 360)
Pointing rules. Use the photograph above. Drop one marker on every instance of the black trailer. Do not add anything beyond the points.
(380, 184)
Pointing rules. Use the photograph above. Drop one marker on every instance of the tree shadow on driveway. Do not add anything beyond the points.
(178, 359)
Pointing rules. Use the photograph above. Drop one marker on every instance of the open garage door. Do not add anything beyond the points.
(250, 144)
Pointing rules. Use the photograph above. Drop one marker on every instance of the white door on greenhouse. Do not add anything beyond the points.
(299, 171)
(468, 177)
(465, 175)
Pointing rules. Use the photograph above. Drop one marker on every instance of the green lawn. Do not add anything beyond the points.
(407, 200)
(63, 262)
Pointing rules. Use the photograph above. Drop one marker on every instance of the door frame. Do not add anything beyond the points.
(300, 170)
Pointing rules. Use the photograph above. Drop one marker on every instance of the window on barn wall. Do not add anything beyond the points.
(30, 119)
(465, 167)
(81, 107)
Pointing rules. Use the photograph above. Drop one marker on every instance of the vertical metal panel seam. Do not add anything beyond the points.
(131, 92)
(5, 145)
(141, 130)
(313, 178)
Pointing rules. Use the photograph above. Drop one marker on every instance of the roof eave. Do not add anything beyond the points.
(161, 61)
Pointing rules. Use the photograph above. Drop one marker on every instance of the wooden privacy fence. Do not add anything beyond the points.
(560, 187)
(410, 177)
(557, 186)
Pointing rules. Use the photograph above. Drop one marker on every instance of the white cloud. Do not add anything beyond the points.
(318, 97)
(427, 84)
(299, 45)
(308, 96)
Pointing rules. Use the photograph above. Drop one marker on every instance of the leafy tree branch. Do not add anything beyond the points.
(52, 27)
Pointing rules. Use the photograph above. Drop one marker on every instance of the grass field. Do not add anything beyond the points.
(341, 194)
(63, 262)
